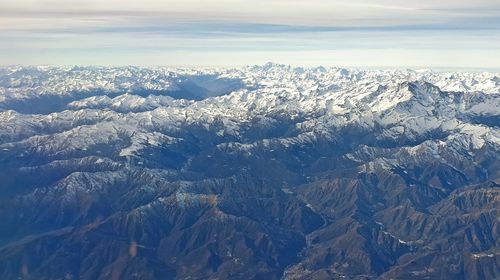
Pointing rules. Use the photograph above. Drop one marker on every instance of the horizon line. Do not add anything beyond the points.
(238, 66)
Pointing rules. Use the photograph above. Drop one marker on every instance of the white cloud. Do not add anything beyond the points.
(59, 31)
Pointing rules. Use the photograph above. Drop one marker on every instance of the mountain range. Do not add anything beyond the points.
(259, 172)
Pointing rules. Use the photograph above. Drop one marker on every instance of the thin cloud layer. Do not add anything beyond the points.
(74, 32)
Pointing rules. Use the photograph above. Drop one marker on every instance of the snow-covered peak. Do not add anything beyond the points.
(110, 104)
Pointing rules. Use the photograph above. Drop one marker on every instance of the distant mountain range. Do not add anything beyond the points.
(262, 172)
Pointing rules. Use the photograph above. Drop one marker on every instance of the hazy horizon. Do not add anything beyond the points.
(361, 68)
(367, 34)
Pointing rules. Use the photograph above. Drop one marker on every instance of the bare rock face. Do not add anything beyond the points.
(264, 172)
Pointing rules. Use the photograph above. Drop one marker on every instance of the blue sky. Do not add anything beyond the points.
(461, 34)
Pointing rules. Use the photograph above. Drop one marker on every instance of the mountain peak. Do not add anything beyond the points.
(265, 172)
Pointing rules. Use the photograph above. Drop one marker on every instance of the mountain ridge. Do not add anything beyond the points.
(256, 172)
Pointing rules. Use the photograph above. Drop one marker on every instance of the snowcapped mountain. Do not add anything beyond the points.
(259, 172)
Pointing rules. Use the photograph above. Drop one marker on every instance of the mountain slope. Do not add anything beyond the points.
(260, 172)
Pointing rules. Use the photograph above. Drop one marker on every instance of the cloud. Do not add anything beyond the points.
(65, 31)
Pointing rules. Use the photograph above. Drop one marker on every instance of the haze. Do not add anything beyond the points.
(432, 34)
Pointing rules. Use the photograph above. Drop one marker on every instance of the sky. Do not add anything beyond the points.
(454, 34)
